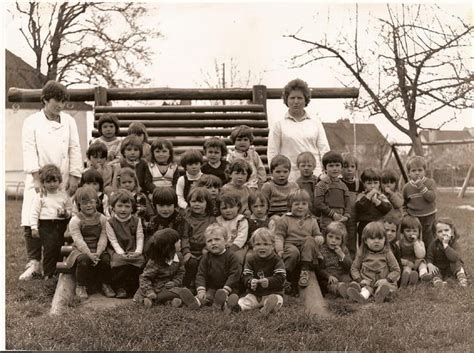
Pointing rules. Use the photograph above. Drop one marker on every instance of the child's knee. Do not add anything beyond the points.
(248, 302)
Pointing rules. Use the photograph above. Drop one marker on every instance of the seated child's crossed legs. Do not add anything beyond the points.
(251, 301)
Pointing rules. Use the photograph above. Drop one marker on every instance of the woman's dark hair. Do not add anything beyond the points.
(108, 118)
(131, 140)
(239, 165)
(92, 175)
(160, 144)
(98, 150)
(190, 157)
(241, 131)
(217, 143)
(161, 247)
(164, 196)
(56, 90)
(297, 85)
(138, 129)
(201, 194)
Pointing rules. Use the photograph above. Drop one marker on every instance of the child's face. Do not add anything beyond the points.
(388, 185)
(213, 155)
(299, 208)
(164, 211)
(123, 209)
(390, 231)
(263, 247)
(161, 155)
(375, 244)
(215, 242)
(108, 130)
(306, 169)
(52, 185)
(193, 168)
(280, 174)
(369, 185)
(444, 232)
(197, 207)
(242, 144)
(259, 209)
(127, 183)
(95, 185)
(411, 234)
(98, 160)
(88, 207)
(213, 191)
(177, 246)
(349, 171)
(415, 173)
(333, 240)
(333, 170)
(132, 153)
(229, 212)
(238, 178)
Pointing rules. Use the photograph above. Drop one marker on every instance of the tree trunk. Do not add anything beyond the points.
(417, 146)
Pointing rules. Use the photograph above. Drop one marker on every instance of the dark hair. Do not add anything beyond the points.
(138, 129)
(201, 194)
(108, 118)
(347, 158)
(305, 157)
(164, 196)
(123, 196)
(217, 143)
(241, 131)
(160, 144)
(84, 193)
(228, 198)
(161, 247)
(190, 157)
(239, 165)
(131, 140)
(126, 171)
(296, 85)
(331, 157)
(210, 181)
(297, 195)
(92, 175)
(389, 176)
(98, 150)
(390, 218)
(56, 90)
(416, 161)
(258, 195)
(278, 160)
(50, 172)
(370, 174)
(411, 222)
(448, 221)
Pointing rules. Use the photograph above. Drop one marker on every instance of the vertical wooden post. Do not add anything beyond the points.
(466, 182)
(100, 96)
(400, 164)
(259, 95)
(63, 295)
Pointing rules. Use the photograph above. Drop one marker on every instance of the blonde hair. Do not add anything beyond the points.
(216, 228)
(263, 233)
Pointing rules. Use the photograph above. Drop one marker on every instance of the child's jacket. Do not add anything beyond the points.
(373, 266)
(332, 264)
(157, 274)
(420, 201)
(219, 271)
(367, 212)
(331, 197)
(271, 267)
(441, 257)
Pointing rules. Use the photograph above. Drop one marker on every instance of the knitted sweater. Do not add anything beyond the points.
(366, 211)
(157, 274)
(294, 230)
(332, 265)
(278, 196)
(46, 207)
(441, 257)
(420, 201)
(309, 184)
(373, 266)
(271, 267)
(331, 197)
(158, 223)
(89, 233)
(218, 271)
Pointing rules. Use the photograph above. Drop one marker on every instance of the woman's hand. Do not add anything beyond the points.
(37, 184)
(72, 184)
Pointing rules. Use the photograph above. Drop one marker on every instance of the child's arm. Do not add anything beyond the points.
(248, 273)
(174, 181)
(113, 240)
(319, 199)
(281, 232)
(102, 243)
(180, 193)
(75, 232)
(105, 204)
(179, 275)
(201, 278)
(419, 248)
(148, 185)
(242, 233)
(267, 191)
(345, 259)
(384, 206)
(347, 203)
(393, 268)
(451, 253)
(67, 206)
(396, 199)
(355, 268)
(139, 237)
(146, 279)
(428, 189)
(316, 233)
(235, 271)
(261, 172)
(34, 215)
(278, 278)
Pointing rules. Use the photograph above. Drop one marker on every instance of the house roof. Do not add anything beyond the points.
(20, 74)
(341, 134)
(443, 135)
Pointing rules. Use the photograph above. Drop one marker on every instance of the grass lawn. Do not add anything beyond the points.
(417, 319)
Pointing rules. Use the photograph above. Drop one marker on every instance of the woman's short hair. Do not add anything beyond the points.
(108, 118)
(50, 172)
(138, 129)
(241, 131)
(160, 144)
(216, 143)
(98, 150)
(164, 196)
(297, 85)
(54, 89)
(92, 175)
(131, 140)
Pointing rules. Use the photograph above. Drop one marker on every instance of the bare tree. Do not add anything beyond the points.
(415, 68)
(87, 42)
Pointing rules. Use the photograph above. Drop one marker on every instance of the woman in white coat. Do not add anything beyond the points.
(48, 137)
(297, 132)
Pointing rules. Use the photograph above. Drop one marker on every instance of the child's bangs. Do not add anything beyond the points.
(409, 222)
(262, 234)
(164, 196)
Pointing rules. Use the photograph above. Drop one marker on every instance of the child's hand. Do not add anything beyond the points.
(94, 258)
(325, 178)
(319, 240)
(280, 254)
(264, 282)
(170, 284)
(418, 183)
(337, 216)
(387, 190)
(253, 284)
(134, 254)
(338, 250)
(35, 233)
(61, 212)
(186, 257)
(433, 269)
(151, 295)
(381, 282)
(247, 213)
(332, 280)
(365, 282)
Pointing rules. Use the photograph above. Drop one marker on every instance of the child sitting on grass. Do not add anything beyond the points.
(258, 203)
(263, 276)
(191, 161)
(219, 271)
(125, 235)
(162, 278)
(335, 268)
(443, 256)
(87, 229)
(375, 268)
(215, 151)
(298, 238)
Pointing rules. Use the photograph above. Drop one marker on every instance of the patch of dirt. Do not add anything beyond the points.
(99, 302)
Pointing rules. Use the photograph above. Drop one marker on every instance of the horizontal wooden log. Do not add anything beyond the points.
(180, 149)
(87, 94)
(62, 267)
(180, 108)
(66, 250)
(191, 132)
(436, 143)
(194, 123)
(187, 116)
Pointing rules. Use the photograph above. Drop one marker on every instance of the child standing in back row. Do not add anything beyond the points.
(108, 128)
(215, 151)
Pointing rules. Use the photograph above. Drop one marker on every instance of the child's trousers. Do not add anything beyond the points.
(191, 268)
(251, 301)
(427, 223)
(51, 234)
(126, 277)
(293, 254)
(86, 271)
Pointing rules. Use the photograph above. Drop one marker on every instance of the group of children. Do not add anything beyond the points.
(221, 234)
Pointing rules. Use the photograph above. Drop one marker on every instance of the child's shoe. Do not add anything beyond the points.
(355, 285)
(304, 279)
(438, 282)
(405, 279)
(176, 302)
(413, 279)
(355, 295)
(81, 292)
(189, 299)
(270, 304)
(121, 293)
(220, 298)
(462, 279)
(231, 303)
(107, 290)
(426, 277)
(147, 302)
(382, 293)
(342, 289)
(32, 269)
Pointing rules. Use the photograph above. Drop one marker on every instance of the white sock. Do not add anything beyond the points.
(365, 293)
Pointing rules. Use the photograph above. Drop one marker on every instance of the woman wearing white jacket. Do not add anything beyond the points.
(48, 137)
